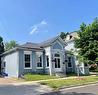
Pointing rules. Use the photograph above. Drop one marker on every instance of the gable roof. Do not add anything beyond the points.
(31, 45)
(71, 36)
(50, 41)
(35, 46)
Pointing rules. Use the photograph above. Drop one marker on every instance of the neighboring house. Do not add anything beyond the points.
(48, 57)
(73, 63)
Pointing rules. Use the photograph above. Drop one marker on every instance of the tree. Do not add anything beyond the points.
(1, 50)
(10, 45)
(63, 35)
(1, 45)
(87, 43)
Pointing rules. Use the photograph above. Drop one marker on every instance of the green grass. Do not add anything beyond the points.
(56, 84)
(71, 74)
(36, 77)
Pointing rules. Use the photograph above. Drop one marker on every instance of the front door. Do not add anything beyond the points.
(57, 64)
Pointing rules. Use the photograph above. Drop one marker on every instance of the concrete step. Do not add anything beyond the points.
(60, 74)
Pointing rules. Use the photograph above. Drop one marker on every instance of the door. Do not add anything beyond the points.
(57, 64)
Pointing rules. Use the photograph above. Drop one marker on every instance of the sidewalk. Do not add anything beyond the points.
(15, 81)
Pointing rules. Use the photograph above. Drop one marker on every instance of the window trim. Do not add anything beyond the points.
(29, 53)
(71, 62)
(46, 61)
(41, 62)
(58, 57)
(58, 65)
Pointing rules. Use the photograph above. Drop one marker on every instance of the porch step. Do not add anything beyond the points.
(60, 74)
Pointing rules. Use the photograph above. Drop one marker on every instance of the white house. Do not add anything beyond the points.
(73, 63)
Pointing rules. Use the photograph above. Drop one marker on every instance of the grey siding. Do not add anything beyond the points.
(71, 69)
(57, 46)
(11, 64)
(21, 63)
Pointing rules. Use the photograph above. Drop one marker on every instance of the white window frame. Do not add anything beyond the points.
(30, 53)
(71, 63)
(42, 60)
(46, 61)
(59, 58)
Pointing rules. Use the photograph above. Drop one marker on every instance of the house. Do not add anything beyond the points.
(48, 57)
(72, 64)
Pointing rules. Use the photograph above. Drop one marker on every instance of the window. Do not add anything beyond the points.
(4, 64)
(70, 36)
(27, 60)
(39, 63)
(47, 61)
(39, 59)
(69, 62)
(57, 62)
(57, 55)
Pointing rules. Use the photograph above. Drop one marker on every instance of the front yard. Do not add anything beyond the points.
(36, 77)
(56, 84)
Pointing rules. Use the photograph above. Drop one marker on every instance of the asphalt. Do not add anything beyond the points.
(31, 89)
(80, 90)
(37, 89)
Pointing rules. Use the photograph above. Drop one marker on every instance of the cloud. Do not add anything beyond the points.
(39, 27)
(43, 22)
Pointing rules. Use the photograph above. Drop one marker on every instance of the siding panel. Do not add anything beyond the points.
(11, 64)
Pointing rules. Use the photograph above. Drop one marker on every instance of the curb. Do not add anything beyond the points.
(85, 84)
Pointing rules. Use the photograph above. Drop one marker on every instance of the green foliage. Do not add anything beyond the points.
(10, 45)
(87, 43)
(1, 45)
(63, 35)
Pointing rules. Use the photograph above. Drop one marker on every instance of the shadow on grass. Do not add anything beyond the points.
(68, 93)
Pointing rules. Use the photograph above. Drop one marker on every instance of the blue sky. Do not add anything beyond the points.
(38, 20)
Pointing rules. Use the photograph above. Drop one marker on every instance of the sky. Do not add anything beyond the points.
(39, 20)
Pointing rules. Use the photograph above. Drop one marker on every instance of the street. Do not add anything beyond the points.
(82, 90)
(37, 89)
(29, 89)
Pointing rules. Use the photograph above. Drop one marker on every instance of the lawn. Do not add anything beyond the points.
(56, 84)
(36, 77)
